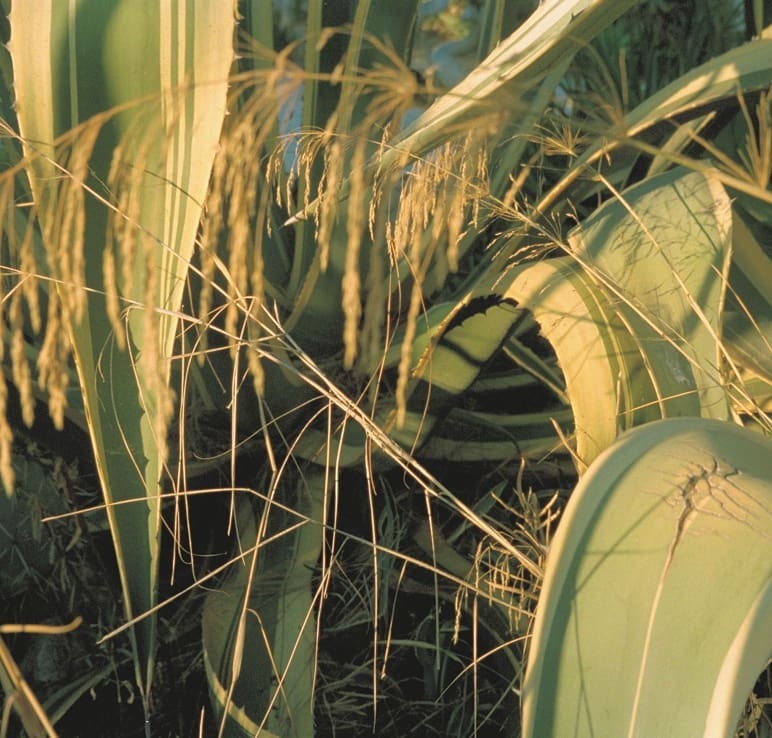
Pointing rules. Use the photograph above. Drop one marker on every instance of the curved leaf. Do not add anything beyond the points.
(661, 249)
(743, 70)
(634, 321)
(748, 322)
(655, 616)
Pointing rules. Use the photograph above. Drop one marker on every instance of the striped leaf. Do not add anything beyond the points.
(143, 86)
(693, 99)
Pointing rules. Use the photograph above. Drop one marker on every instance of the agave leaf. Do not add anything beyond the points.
(319, 268)
(466, 435)
(455, 344)
(555, 32)
(517, 66)
(537, 367)
(160, 90)
(634, 322)
(666, 243)
(748, 320)
(526, 66)
(632, 314)
(690, 98)
(585, 335)
(263, 617)
(744, 69)
(631, 635)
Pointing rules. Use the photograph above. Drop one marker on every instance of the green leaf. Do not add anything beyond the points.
(146, 83)
(655, 616)
(748, 319)
(345, 108)
(633, 315)
(661, 249)
(259, 628)
(515, 67)
(586, 336)
(633, 312)
(554, 33)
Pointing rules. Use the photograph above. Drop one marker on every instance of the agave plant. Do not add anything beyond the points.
(384, 278)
